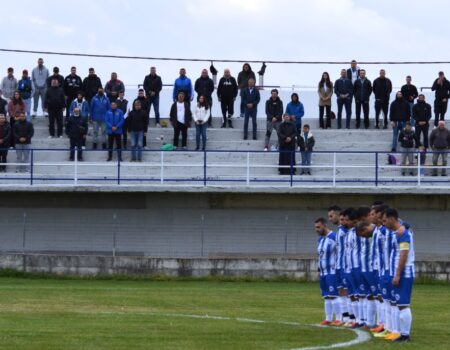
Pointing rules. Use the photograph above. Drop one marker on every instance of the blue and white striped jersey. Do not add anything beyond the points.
(366, 254)
(352, 251)
(378, 238)
(387, 251)
(404, 242)
(326, 250)
(340, 246)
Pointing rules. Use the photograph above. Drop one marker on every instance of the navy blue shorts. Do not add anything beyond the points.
(370, 284)
(386, 287)
(403, 291)
(350, 284)
(328, 286)
(339, 278)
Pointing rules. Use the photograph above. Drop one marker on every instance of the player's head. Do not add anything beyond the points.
(378, 213)
(350, 216)
(363, 213)
(390, 218)
(320, 225)
(333, 214)
(364, 229)
(377, 202)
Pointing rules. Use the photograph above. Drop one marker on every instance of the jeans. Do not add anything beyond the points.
(270, 127)
(200, 130)
(76, 142)
(381, 105)
(27, 103)
(55, 116)
(321, 112)
(347, 102)
(250, 113)
(422, 129)
(407, 154)
(154, 100)
(443, 153)
(365, 108)
(115, 139)
(395, 130)
(137, 142)
(99, 131)
(23, 155)
(39, 92)
(177, 129)
(306, 161)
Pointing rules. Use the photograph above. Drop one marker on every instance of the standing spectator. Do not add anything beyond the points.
(72, 85)
(243, 77)
(76, 130)
(204, 86)
(325, 91)
(183, 84)
(5, 138)
(91, 84)
(23, 132)
(137, 124)
(100, 105)
(353, 73)
(410, 94)
(440, 143)
(251, 97)
(25, 88)
(286, 141)
(227, 92)
(306, 147)
(153, 86)
(145, 106)
(122, 104)
(114, 87)
(180, 118)
(422, 116)
(39, 76)
(441, 86)
(296, 110)
(363, 90)
(55, 102)
(3, 105)
(343, 88)
(114, 121)
(408, 141)
(382, 88)
(274, 112)
(15, 107)
(9, 84)
(201, 116)
(399, 115)
(56, 76)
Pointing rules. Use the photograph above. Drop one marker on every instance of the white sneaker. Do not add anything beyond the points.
(60, 137)
(50, 137)
(158, 125)
(266, 149)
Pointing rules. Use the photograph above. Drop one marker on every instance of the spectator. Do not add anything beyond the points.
(80, 103)
(343, 88)
(153, 86)
(227, 92)
(183, 84)
(180, 118)
(145, 106)
(410, 94)
(363, 90)
(100, 105)
(5, 138)
(72, 85)
(114, 121)
(114, 87)
(122, 104)
(9, 84)
(296, 110)
(306, 147)
(23, 131)
(3, 105)
(408, 142)
(91, 84)
(382, 88)
(422, 116)
(274, 112)
(137, 124)
(441, 86)
(25, 88)
(55, 102)
(440, 143)
(251, 97)
(204, 86)
(399, 115)
(39, 76)
(76, 130)
(286, 141)
(56, 76)
(243, 77)
(15, 107)
(325, 91)
(201, 116)
(353, 73)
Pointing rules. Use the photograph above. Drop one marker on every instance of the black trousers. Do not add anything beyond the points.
(3, 158)
(115, 139)
(227, 106)
(286, 158)
(381, 105)
(365, 108)
(322, 109)
(76, 142)
(12, 140)
(55, 116)
(440, 108)
(422, 129)
(180, 128)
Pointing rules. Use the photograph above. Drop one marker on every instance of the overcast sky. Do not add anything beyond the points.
(320, 30)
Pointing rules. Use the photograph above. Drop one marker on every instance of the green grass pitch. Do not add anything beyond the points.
(112, 314)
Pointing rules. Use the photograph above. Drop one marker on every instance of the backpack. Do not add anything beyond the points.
(168, 147)
(392, 160)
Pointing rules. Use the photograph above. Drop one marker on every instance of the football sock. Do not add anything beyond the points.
(405, 321)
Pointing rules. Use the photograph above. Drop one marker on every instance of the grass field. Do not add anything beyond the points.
(111, 314)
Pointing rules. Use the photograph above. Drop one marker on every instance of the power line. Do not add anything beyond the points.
(213, 60)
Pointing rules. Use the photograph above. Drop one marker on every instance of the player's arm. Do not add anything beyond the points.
(401, 266)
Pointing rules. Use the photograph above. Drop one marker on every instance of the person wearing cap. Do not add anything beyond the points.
(56, 76)
(39, 76)
(72, 85)
(91, 84)
(441, 86)
(26, 90)
(9, 84)
(114, 87)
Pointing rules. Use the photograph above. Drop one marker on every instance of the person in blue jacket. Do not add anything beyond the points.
(250, 98)
(114, 122)
(296, 110)
(183, 84)
(99, 106)
(26, 90)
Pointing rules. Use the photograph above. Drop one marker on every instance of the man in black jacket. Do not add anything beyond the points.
(76, 130)
(153, 86)
(23, 131)
(204, 86)
(90, 85)
(382, 88)
(180, 118)
(422, 115)
(72, 86)
(362, 92)
(227, 92)
(441, 86)
(274, 111)
(137, 125)
(55, 103)
(5, 136)
(408, 141)
(343, 88)
(56, 76)
(145, 106)
(3, 105)
(399, 115)
(286, 141)
(410, 94)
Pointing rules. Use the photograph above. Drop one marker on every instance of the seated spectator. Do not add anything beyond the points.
(440, 143)
(306, 147)
(296, 110)
(114, 122)
(23, 132)
(5, 137)
(250, 98)
(286, 141)
(180, 119)
(408, 141)
(76, 130)
(137, 124)
(274, 112)
(100, 105)
(422, 116)
(201, 116)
